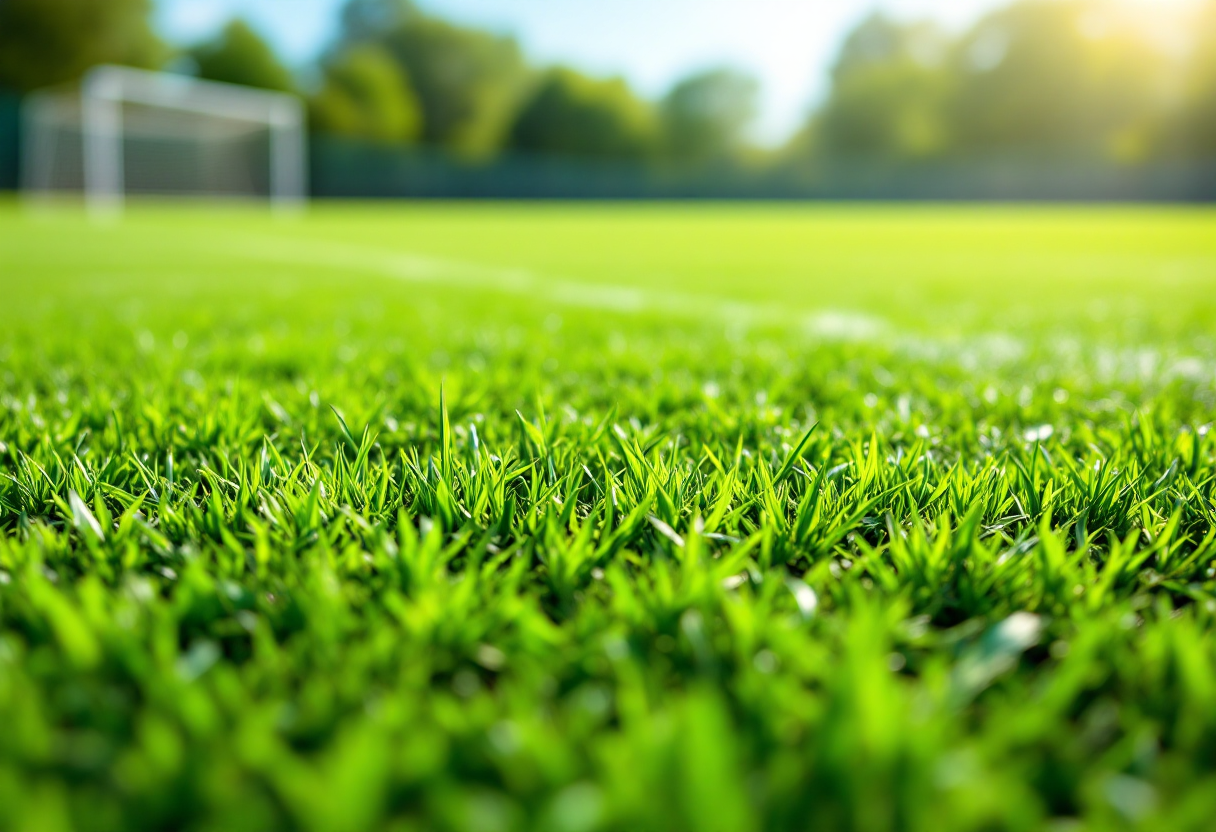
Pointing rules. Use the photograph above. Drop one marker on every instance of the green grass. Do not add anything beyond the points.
(575, 517)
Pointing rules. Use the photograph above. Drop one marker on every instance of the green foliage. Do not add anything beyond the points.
(365, 95)
(467, 81)
(1048, 76)
(572, 114)
(45, 42)
(609, 518)
(239, 55)
(1039, 77)
(705, 116)
(888, 89)
(1198, 116)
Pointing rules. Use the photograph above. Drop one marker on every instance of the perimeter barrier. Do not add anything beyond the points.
(10, 132)
(353, 170)
(341, 168)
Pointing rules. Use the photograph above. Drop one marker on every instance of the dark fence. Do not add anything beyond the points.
(347, 169)
(1013, 179)
(10, 132)
(341, 168)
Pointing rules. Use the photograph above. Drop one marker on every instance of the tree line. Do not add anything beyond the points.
(1052, 78)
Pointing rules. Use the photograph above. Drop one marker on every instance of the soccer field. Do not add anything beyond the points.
(577, 517)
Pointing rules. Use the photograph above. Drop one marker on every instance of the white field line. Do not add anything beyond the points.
(824, 324)
(417, 268)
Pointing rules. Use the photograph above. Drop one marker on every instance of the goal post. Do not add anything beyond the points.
(128, 131)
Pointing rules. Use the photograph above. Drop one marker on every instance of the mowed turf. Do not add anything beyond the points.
(608, 517)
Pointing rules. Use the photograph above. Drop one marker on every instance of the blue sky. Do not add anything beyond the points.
(787, 44)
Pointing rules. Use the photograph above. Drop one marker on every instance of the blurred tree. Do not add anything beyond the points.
(468, 82)
(1055, 76)
(366, 95)
(888, 86)
(239, 55)
(705, 116)
(570, 113)
(45, 42)
(364, 20)
(1198, 119)
(1037, 77)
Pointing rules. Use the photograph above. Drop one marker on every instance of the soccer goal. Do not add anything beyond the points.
(127, 131)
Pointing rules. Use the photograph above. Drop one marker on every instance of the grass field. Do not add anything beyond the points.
(581, 517)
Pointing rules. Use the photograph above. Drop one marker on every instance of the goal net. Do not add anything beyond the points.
(128, 131)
